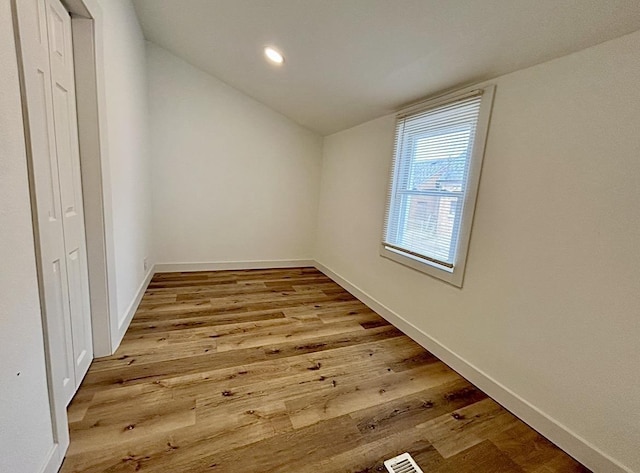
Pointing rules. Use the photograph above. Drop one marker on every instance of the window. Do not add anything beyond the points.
(434, 180)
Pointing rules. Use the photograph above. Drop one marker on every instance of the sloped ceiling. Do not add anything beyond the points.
(348, 61)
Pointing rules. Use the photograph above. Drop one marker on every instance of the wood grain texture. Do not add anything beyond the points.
(282, 370)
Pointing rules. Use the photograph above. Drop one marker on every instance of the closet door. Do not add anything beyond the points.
(43, 163)
(72, 214)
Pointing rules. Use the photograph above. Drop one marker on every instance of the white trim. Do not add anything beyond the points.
(87, 33)
(54, 460)
(110, 326)
(93, 181)
(234, 265)
(123, 323)
(585, 452)
(101, 235)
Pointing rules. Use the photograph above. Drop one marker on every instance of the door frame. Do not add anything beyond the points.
(87, 35)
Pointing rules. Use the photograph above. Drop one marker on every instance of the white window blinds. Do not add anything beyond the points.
(429, 182)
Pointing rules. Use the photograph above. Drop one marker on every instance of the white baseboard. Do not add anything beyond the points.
(53, 460)
(576, 446)
(233, 265)
(123, 323)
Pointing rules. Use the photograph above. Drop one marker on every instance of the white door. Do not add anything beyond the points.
(44, 28)
(66, 134)
(43, 167)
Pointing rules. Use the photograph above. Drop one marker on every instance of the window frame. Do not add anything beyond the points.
(454, 275)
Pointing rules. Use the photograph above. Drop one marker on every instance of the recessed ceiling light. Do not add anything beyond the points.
(273, 55)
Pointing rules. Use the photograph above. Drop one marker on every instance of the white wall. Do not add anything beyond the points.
(127, 142)
(25, 423)
(232, 179)
(550, 301)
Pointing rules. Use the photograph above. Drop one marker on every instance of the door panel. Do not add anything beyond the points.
(67, 150)
(81, 354)
(65, 162)
(61, 301)
(49, 177)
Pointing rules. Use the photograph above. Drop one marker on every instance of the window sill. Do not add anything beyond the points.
(451, 276)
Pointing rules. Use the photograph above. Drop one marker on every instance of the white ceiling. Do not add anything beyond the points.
(348, 61)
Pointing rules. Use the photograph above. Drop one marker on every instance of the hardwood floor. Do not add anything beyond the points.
(283, 371)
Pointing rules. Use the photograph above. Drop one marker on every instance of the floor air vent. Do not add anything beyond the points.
(402, 464)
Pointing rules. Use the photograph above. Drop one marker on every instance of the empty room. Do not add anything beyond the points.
(320, 236)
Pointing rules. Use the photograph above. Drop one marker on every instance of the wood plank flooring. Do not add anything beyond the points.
(283, 371)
